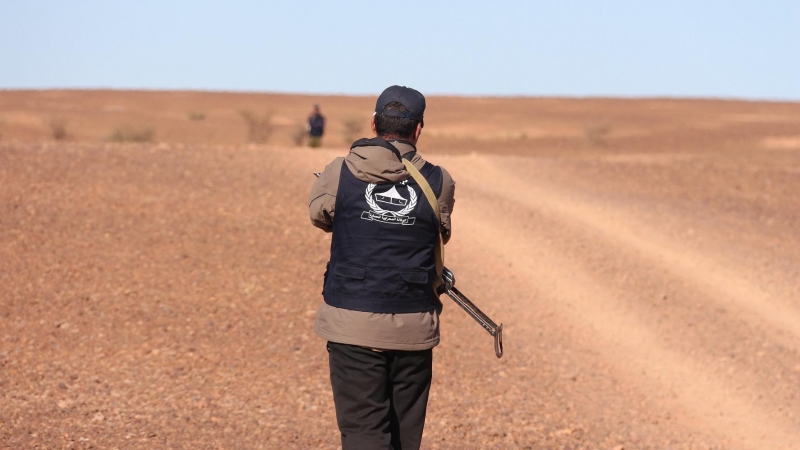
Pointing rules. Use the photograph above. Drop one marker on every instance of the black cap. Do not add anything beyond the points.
(412, 99)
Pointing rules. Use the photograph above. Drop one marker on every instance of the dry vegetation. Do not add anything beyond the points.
(259, 128)
(129, 133)
(58, 128)
(299, 134)
(596, 133)
(196, 115)
(162, 295)
(352, 129)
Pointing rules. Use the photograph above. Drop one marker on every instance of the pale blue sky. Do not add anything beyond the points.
(685, 48)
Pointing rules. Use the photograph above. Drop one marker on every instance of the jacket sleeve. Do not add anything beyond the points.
(322, 200)
(446, 203)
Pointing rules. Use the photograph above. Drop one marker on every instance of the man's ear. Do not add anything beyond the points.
(418, 131)
(372, 125)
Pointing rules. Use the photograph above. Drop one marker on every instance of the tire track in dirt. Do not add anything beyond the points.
(711, 275)
(631, 348)
(701, 393)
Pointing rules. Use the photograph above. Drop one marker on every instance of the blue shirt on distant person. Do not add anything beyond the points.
(316, 123)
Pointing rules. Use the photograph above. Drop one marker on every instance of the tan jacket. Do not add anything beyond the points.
(411, 331)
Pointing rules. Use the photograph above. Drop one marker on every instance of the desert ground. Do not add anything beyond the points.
(643, 254)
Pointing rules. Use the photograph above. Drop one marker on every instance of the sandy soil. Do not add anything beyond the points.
(162, 295)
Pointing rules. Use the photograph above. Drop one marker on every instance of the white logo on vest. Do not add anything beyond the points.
(390, 197)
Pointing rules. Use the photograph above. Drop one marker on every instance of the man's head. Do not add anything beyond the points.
(399, 114)
(316, 109)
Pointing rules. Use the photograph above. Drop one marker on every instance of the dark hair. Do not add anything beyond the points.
(398, 127)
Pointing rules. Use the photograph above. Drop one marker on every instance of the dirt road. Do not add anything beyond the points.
(158, 296)
(643, 320)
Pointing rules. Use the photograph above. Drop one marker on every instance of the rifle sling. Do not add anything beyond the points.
(439, 249)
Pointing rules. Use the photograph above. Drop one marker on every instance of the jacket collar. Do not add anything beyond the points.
(377, 142)
(400, 148)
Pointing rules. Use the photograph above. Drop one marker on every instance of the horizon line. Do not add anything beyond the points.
(499, 96)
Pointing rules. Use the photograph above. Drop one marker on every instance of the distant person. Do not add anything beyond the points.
(316, 128)
(381, 306)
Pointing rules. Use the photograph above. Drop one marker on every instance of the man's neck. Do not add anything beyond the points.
(409, 140)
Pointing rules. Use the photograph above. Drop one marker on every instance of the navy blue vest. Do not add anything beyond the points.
(382, 257)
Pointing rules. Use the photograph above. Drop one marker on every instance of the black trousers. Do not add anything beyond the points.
(380, 397)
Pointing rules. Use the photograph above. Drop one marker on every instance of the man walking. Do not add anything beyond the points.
(316, 128)
(381, 310)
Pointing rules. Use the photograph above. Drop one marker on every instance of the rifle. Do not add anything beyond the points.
(488, 324)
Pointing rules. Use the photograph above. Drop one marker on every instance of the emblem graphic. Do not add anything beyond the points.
(390, 197)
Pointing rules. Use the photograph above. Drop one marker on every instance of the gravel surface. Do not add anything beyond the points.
(162, 296)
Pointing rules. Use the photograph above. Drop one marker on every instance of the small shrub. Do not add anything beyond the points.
(128, 133)
(299, 134)
(197, 115)
(58, 129)
(595, 133)
(259, 129)
(352, 130)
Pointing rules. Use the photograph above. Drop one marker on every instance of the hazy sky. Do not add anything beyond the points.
(692, 48)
